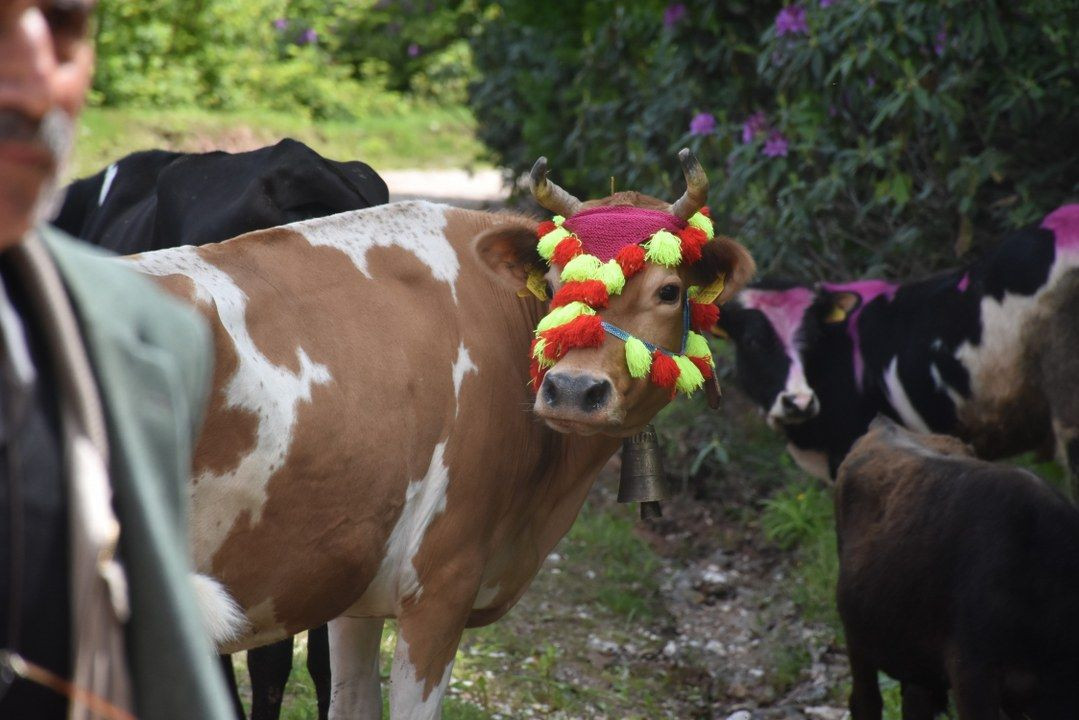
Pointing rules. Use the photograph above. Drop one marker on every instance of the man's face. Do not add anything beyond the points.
(45, 64)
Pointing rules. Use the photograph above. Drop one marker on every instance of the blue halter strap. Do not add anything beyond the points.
(623, 335)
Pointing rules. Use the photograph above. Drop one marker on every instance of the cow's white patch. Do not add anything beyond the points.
(356, 690)
(897, 396)
(397, 578)
(407, 701)
(814, 462)
(486, 596)
(938, 382)
(221, 615)
(418, 227)
(797, 387)
(106, 184)
(461, 367)
(271, 392)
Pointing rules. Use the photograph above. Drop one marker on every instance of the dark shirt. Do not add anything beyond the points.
(36, 552)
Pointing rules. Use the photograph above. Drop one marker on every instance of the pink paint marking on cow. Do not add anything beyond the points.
(784, 310)
(1064, 222)
(964, 282)
(868, 291)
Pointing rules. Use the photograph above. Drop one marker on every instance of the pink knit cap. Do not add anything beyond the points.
(604, 231)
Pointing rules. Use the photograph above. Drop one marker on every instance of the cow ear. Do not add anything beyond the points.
(509, 254)
(843, 303)
(718, 331)
(723, 259)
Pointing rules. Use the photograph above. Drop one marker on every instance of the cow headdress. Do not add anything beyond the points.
(596, 251)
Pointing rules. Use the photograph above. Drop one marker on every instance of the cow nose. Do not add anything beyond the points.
(799, 404)
(578, 392)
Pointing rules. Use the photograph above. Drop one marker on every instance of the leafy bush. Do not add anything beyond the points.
(842, 136)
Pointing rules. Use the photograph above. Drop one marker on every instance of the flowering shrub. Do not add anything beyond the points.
(842, 137)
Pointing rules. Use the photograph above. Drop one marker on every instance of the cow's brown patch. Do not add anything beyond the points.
(229, 433)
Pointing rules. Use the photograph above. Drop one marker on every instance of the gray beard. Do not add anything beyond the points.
(57, 133)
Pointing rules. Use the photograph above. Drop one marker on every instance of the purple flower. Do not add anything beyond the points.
(833, 111)
(827, 3)
(308, 37)
(414, 50)
(871, 81)
(702, 124)
(940, 42)
(776, 145)
(753, 126)
(791, 20)
(674, 14)
(281, 23)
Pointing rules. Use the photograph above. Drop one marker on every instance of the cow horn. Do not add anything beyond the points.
(696, 194)
(550, 195)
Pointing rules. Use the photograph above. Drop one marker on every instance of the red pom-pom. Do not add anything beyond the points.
(693, 239)
(592, 293)
(706, 212)
(664, 370)
(703, 364)
(544, 227)
(581, 332)
(703, 316)
(566, 250)
(631, 258)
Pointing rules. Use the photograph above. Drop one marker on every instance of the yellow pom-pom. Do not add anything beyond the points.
(638, 359)
(697, 346)
(562, 315)
(610, 274)
(689, 375)
(663, 248)
(550, 241)
(702, 222)
(582, 267)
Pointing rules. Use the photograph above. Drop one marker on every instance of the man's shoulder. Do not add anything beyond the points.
(116, 299)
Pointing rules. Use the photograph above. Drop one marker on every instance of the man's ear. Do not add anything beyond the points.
(508, 252)
(843, 303)
(723, 257)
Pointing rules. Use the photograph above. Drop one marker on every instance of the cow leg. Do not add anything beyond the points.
(977, 696)
(318, 665)
(427, 639)
(1060, 368)
(865, 699)
(922, 703)
(355, 691)
(230, 681)
(269, 667)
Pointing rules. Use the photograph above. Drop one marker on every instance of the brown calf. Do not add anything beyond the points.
(956, 573)
(372, 449)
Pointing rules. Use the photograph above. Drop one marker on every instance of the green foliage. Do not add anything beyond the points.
(901, 132)
(323, 59)
(796, 514)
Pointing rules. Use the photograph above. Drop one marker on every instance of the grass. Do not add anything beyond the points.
(413, 138)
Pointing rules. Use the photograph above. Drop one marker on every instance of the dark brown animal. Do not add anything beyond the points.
(958, 574)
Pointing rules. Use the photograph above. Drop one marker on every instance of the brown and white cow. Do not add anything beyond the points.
(373, 448)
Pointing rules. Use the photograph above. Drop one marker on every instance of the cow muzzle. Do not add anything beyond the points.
(791, 408)
(577, 402)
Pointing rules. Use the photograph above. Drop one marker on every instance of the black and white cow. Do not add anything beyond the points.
(988, 352)
(159, 199)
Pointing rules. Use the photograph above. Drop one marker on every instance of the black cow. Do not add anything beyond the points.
(956, 573)
(157, 199)
(988, 352)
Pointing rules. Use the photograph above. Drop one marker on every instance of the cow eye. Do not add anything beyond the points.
(670, 293)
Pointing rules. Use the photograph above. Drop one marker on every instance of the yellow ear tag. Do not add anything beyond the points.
(709, 293)
(536, 285)
(836, 315)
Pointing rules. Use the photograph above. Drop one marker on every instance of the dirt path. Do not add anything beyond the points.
(479, 189)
